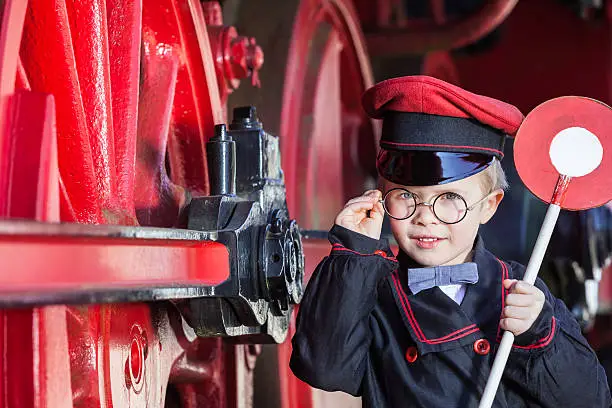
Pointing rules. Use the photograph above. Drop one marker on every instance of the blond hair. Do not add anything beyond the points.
(494, 177)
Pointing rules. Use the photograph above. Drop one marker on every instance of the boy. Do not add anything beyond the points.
(421, 330)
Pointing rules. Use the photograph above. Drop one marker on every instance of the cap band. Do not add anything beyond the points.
(425, 132)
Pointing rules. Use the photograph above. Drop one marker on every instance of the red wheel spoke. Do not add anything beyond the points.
(13, 12)
(197, 106)
(47, 42)
(90, 44)
(36, 362)
(158, 201)
(124, 29)
(33, 190)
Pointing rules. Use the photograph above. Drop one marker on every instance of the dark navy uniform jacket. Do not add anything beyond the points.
(360, 330)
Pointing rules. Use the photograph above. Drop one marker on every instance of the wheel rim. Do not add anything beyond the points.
(323, 110)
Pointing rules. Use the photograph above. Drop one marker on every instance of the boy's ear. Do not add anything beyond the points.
(490, 205)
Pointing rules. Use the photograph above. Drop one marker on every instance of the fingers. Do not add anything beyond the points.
(516, 299)
(370, 195)
(522, 306)
(515, 326)
(378, 210)
(515, 312)
(523, 288)
(373, 193)
(358, 206)
(363, 214)
(370, 200)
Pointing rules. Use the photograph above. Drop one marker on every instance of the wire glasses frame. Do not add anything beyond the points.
(448, 203)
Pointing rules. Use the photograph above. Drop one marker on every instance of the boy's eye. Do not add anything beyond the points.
(406, 195)
(450, 196)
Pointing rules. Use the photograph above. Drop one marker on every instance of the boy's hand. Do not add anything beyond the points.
(363, 214)
(523, 305)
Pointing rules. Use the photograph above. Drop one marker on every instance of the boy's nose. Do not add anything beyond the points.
(424, 215)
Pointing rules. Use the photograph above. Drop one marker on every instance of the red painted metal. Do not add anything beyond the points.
(13, 12)
(385, 40)
(125, 354)
(77, 261)
(32, 173)
(236, 57)
(178, 27)
(88, 19)
(324, 155)
(47, 42)
(158, 201)
(124, 33)
(35, 367)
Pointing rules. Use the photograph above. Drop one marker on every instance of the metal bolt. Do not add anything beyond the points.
(135, 362)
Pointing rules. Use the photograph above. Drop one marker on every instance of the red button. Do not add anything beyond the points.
(482, 346)
(380, 252)
(411, 354)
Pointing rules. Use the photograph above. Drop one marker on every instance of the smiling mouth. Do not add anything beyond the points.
(426, 238)
(427, 242)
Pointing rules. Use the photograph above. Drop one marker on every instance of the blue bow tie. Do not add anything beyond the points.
(424, 278)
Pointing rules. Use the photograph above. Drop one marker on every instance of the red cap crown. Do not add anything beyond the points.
(423, 94)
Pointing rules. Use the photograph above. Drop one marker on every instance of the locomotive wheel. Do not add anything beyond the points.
(316, 69)
(134, 98)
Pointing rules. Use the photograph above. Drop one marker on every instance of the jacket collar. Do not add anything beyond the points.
(435, 321)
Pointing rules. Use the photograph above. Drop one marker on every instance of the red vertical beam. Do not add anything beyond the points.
(87, 20)
(125, 32)
(33, 342)
(324, 194)
(157, 200)
(47, 48)
(13, 14)
(33, 188)
(36, 364)
(197, 103)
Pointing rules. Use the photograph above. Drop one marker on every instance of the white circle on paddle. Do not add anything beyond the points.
(575, 152)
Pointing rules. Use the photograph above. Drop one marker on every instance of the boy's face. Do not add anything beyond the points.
(431, 242)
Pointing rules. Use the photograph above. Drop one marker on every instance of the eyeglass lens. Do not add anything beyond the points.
(449, 208)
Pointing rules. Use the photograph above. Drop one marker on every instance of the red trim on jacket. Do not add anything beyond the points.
(504, 293)
(543, 342)
(381, 253)
(415, 325)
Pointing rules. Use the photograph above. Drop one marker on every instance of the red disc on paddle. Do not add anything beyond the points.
(532, 150)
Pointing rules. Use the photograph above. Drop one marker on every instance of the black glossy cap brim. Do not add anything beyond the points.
(425, 168)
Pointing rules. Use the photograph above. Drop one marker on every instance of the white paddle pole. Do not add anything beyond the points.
(530, 277)
(574, 152)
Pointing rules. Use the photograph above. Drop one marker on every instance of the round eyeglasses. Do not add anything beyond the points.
(449, 207)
